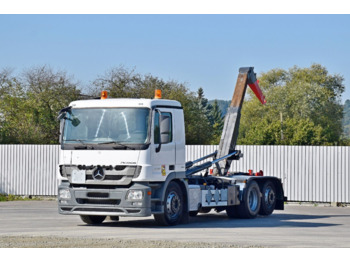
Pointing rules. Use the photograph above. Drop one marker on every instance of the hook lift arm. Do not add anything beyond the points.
(226, 152)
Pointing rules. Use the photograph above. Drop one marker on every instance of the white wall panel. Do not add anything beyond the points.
(309, 173)
(28, 169)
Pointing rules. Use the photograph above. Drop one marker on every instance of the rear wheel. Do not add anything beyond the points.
(268, 200)
(173, 206)
(250, 205)
(92, 220)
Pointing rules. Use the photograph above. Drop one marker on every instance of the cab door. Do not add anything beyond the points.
(163, 144)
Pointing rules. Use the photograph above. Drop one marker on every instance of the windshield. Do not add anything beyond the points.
(106, 126)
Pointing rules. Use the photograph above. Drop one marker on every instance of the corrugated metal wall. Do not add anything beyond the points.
(309, 173)
(28, 169)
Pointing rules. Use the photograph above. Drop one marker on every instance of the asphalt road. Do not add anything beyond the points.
(296, 226)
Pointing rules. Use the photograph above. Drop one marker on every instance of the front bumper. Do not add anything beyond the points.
(108, 202)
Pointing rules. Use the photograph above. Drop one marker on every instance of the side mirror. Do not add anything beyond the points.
(75, 121)
(61, 116)
(63, 112)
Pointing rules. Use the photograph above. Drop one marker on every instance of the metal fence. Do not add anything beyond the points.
(309, 173)
(29, 169)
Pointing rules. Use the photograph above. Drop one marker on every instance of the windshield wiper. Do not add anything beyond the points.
(117, 143)
(84, 146)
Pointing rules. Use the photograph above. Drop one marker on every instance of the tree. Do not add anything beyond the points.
(222, 104)
(346, 119)
(30, 103)
(217, 123)
(303, 108)
(13, 117)
(120, 82)
(346, 124)
(200, 122)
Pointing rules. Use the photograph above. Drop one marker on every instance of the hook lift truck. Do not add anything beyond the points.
(126, 157)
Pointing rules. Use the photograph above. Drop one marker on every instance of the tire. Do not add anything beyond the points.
(193, 213)
(93, 220)
(173, 206)
(232, 212)
(268, 199)
(251, 202)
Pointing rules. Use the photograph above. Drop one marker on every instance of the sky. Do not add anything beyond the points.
(199, 50)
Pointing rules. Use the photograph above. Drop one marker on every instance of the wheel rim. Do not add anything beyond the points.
(173, 205)
(270, 197)
(253, 200)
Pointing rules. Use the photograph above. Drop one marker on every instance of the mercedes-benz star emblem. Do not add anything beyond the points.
(98, 174)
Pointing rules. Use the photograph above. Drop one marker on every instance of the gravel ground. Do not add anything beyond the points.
(65, 242)
(37, 224)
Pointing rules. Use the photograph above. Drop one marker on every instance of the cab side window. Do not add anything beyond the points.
(156, 127)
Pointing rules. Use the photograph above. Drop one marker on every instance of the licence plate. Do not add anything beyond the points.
(78, 176)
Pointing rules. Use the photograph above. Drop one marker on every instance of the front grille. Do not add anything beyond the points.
(119, 168)
(85, 186)
(84, 201)
(107, 177)
(97, 195)
(117, 175)
(102, 210)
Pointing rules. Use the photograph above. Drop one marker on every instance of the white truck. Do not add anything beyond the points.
(126, 157)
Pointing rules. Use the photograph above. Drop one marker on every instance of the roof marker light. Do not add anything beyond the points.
(104, 94)
(157, 94)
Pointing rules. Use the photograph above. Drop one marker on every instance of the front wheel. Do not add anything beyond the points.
(93, 220)
(173, 206)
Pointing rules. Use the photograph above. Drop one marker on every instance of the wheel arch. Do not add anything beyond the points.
(179, 178)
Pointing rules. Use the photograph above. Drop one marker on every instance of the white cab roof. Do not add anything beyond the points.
(124, 102)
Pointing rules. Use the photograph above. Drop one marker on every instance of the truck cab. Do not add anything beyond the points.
(115, 154)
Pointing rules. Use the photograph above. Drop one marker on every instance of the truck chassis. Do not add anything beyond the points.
(199, 189)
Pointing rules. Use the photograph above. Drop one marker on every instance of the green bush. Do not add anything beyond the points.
(5, 197)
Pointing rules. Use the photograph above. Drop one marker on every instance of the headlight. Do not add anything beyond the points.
(134, 195)
(64, 194)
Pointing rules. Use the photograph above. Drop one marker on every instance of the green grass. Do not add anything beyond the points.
(5, 197)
